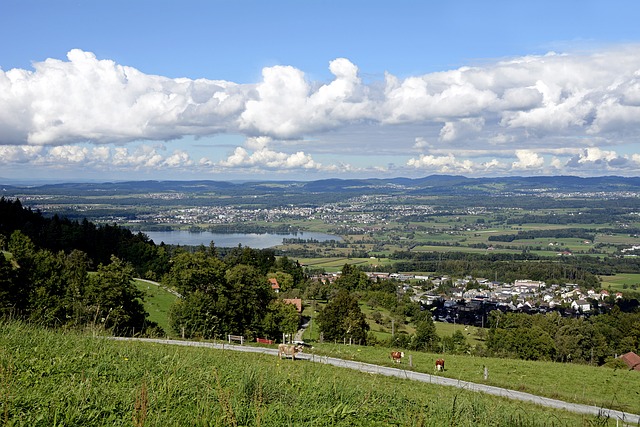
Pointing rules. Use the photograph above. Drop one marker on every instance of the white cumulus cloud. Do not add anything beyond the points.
(264, 157)
(444, 164)
(528, 159)
(526, 105)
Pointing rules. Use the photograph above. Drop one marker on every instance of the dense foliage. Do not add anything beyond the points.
(98, 242)
(230, 296)
(552, 337)
(56, 290)
(342, 319)
(578, 233)
(509, 267)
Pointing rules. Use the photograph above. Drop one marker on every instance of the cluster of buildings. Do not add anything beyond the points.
(469, 300)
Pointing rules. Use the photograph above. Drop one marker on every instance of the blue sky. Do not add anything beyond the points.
(107, 90)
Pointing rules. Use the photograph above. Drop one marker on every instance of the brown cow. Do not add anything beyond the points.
(288, 350)
(396, 356)
(439, 364)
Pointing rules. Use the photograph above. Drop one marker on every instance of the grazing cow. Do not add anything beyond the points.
(439, 364)
(288, 350)
(396, 356)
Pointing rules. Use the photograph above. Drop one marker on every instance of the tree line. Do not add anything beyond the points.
(232, 295)
(55, 289)
(98, 242)
(578, 233)
(551, 337)
(582, 270)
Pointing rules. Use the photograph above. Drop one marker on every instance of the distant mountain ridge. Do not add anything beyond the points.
(432, 184)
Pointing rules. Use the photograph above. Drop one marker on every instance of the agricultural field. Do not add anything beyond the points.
(55, 378)
(621, 282)
(335, 264)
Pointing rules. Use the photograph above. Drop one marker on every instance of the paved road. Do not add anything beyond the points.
(416, 376)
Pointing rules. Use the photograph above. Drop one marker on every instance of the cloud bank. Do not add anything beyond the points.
(516, 114)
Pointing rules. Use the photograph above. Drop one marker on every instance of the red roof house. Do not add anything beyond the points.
(274, 284)
(295, 301)
(632, 360)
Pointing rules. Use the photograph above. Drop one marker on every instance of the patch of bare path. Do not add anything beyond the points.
(623, 417)
(160, 285)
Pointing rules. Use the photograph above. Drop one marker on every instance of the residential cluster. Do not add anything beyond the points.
(469, 300)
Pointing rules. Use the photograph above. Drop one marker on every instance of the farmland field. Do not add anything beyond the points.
(621, 282)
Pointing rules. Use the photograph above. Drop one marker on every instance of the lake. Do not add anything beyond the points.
(230, 240)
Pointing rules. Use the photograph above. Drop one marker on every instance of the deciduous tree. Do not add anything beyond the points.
(342, 318)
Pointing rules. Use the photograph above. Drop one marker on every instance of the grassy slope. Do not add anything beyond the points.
(157, 302)
(575, 383)
(599, 386)
(618, 281)
(49, 378)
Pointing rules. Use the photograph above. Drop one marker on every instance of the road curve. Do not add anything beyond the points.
(623, 417)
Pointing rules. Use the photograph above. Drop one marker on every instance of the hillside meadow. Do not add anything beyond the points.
(599, 386)
(52, 378)
(157, 302)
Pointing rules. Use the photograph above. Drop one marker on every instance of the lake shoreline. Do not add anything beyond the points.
(226, 240)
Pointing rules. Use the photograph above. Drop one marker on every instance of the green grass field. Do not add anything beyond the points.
(157, 302)
(599, 386)
(618, 281)
(335, 264)
(67, 379)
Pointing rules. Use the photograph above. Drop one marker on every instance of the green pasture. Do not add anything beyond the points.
(157, 302)
(618, 239)
(383, 330)
(443, 329)
(447, 329)
(599, 386)
(67, 379)
(335, 264)
(428, 248)
(437, 237)
(618, 281)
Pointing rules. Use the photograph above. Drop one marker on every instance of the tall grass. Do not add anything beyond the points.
(67, 379)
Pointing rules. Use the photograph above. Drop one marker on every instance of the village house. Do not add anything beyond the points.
(297, 302)
(274, 284)
(581, 305)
